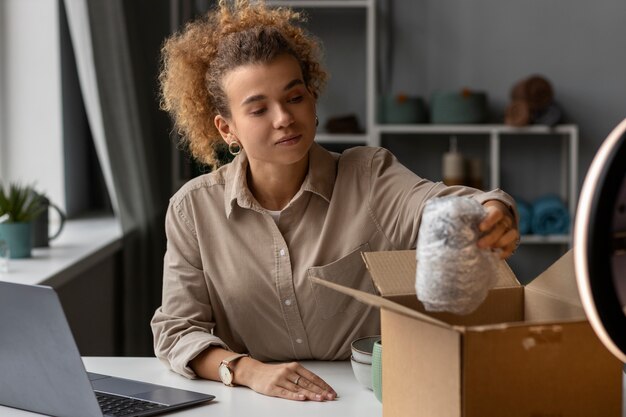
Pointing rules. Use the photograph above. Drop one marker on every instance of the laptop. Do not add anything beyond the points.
(41, 369)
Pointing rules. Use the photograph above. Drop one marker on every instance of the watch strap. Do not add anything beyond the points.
(230, 359)
(226, 363)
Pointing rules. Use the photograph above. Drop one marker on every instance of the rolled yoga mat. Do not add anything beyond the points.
(525, 212)
(549, 216)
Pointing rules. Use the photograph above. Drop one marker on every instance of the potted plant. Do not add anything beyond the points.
(19, 206)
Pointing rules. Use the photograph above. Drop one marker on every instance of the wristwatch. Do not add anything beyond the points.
(226, 374)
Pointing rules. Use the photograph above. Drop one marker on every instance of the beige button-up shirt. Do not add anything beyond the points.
(235, 278)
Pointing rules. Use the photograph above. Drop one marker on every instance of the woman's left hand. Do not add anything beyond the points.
(499, 228)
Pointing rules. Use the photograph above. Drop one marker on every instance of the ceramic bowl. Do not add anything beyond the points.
(362, 372)
(362, 348)
(401, 109)
(461, 107)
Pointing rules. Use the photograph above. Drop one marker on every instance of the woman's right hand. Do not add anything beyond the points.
(291, 381)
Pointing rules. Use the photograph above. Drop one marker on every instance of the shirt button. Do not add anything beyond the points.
(282, 252)
(287, 302)
(298, 340)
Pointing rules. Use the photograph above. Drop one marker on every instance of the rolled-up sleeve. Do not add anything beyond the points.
(397, 198)
(182, 326)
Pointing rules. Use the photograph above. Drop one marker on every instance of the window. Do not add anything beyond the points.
(44, 134)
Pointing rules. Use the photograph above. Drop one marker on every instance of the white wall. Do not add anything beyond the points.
(3, 39)
(32, 143)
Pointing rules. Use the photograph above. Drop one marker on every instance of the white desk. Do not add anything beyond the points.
(354, 400)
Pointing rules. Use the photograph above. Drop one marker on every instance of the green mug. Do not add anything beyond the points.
(377, 370)
(18, 238)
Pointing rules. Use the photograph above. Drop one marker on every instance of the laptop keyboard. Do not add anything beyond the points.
(116, 405)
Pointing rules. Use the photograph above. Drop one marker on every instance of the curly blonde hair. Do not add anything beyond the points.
(195, 60)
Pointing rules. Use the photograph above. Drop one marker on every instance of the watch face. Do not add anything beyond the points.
(225, 375)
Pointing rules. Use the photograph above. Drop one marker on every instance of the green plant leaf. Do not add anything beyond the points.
(21, 202)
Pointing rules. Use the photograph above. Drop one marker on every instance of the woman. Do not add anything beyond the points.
(244, 240)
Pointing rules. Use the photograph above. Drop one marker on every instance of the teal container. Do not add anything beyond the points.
(402, 110)
(377, 370)
(18, 237)
(458, 107)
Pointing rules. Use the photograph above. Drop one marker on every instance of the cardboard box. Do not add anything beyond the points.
(526, 351)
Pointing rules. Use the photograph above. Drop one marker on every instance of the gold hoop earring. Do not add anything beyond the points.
(317, 121)
(234, 147)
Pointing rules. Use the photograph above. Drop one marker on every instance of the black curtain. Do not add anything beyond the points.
(116, 44)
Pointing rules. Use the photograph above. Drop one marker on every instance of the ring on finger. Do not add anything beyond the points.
(297, 379)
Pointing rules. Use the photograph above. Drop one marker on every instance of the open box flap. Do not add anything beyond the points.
(378, 301)
(558, 281)
(393, 272)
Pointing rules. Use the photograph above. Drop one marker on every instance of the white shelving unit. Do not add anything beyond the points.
(369, 6)
(497, 134)
(526, 162)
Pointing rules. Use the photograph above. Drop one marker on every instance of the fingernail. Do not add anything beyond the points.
(319, 397)
(329, 396)
(301, 396)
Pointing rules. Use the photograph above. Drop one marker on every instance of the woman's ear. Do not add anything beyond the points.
(222, 126)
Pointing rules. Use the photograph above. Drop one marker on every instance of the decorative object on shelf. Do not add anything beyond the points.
(458, 170)
(40, 229)
(532, 102)
(402, 109)
(458, 107)
(525, 214)
(549, 216)
(343, 124)
(453, 165)
(475, 173)
(22, 204)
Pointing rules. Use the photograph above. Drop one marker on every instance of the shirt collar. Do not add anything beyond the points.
(236, 187)
(322, 172)
(320, 179)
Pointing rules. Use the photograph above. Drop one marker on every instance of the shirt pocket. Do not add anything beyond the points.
(349, 271)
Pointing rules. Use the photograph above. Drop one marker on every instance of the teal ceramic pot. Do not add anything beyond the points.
(401, 109)
(18, 237)
(458, 107)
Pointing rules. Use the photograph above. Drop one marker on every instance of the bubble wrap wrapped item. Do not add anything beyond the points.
(453, 274)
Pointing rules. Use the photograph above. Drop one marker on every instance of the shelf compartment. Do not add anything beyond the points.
(423, 153)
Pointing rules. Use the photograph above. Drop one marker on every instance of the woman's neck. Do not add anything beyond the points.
(274, 186)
